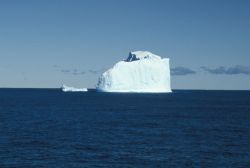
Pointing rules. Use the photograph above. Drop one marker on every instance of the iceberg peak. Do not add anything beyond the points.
(139, 55)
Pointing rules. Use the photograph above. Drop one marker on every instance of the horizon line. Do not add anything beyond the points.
(95, 88)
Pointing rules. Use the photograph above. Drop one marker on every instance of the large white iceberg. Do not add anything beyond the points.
(72, 89)
(142, 71)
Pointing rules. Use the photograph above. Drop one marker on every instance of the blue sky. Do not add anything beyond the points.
(47, 43)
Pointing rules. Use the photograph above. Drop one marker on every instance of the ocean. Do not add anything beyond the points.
(47, 128)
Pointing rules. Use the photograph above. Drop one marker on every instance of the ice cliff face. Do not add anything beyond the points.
(142, 71)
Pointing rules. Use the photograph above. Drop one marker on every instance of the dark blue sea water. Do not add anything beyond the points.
(46, 128)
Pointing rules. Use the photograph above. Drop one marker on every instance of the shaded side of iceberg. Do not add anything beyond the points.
(142, 71)
(72, 89)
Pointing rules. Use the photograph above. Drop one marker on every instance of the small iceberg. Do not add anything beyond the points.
(72, 89)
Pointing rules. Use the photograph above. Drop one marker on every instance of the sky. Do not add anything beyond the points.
(44, 44)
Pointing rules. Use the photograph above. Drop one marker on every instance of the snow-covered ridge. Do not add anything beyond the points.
(72, 89)
(142, 71)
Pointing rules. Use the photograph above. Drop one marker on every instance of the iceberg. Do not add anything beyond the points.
(142, 71)
(72, 89)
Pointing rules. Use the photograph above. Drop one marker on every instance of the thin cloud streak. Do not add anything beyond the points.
(181, 71)
(73, 71)
(236, 70)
